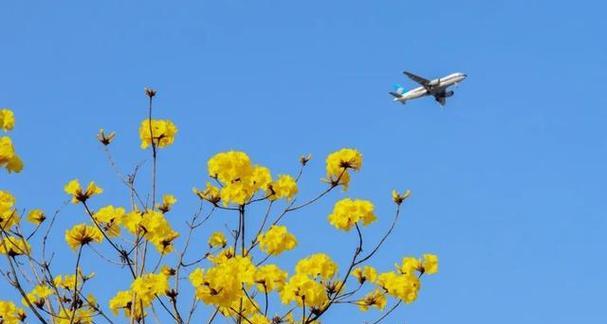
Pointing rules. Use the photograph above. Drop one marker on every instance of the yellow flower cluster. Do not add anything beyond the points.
(283, 187)
(217, 239)
(311, 282)
(277, 240)
(428, 264)
(10, 313)
(222, 284)
(161, 131)
(80, 316)
(110, 218)
(154, 227)
(340, 162)
(8, 214)
(222, 256)
(123, 300)
(7, 119)
(317, 265)
(239, 177)
(74, 189)
(364, 274)
(211, 193)
(167, 203)
(38, 295)
(301, 286)
(258, 319)
(143, 291)
(81, 235)
(36, 216)
(376, 299)
(8, 157)
(347, 212)
(13, 246)
(402, 286)
(68, 282)
(233, 282)
(270, 278)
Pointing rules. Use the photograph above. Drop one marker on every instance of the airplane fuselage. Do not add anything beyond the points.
(433, 88)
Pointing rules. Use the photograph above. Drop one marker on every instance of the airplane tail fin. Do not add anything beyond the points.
(398, 93)
(398, 89)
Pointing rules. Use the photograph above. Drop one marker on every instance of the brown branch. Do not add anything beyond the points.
(388, 312)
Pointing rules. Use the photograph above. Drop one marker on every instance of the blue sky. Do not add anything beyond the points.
(507, 180)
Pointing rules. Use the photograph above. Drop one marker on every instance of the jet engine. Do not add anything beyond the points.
(448, 93)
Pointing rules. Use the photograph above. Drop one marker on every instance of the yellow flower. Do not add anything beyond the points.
(277, 240)
(82, 234)
(110, 218)
(154, 227)
(409, 264)
(269, 278)
(8, 214)
(247, 307)
(367, 273)
(167, 271)
(7, 119)
(197, 277)
(222, 284)
(123, 300)
(317, 265)
(222, 256)
(167, 202)
(162, 131)
(68, 282)
(7, 201)
(300, 287)
(211, 193)
(131, 221)
(158, 231)
(398, 198)
(80, 316)
(217, 239)
(148, 286)
(375, 298)
(402, 286)
(430, 264)
(338, 164)
(74, 189)
(240, 179)
(284, 187)
(10, 313)
(36, 216)
(14, 165)
(13, 246)
(229, 166)
(8, 157)
(347, 212)
(38, 295)
(258, 319)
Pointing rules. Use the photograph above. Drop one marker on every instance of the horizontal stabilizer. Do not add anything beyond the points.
(395, 94)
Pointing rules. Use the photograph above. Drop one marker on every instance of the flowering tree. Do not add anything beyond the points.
(235, 278)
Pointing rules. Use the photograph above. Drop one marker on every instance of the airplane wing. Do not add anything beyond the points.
(417, 78)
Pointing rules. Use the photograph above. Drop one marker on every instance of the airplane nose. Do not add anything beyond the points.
(464, 75)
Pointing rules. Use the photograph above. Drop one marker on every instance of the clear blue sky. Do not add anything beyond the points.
(508, 180)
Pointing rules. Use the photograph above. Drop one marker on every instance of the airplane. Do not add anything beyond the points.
(436, 88)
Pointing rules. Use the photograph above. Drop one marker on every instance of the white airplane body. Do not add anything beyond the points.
(438, 88)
